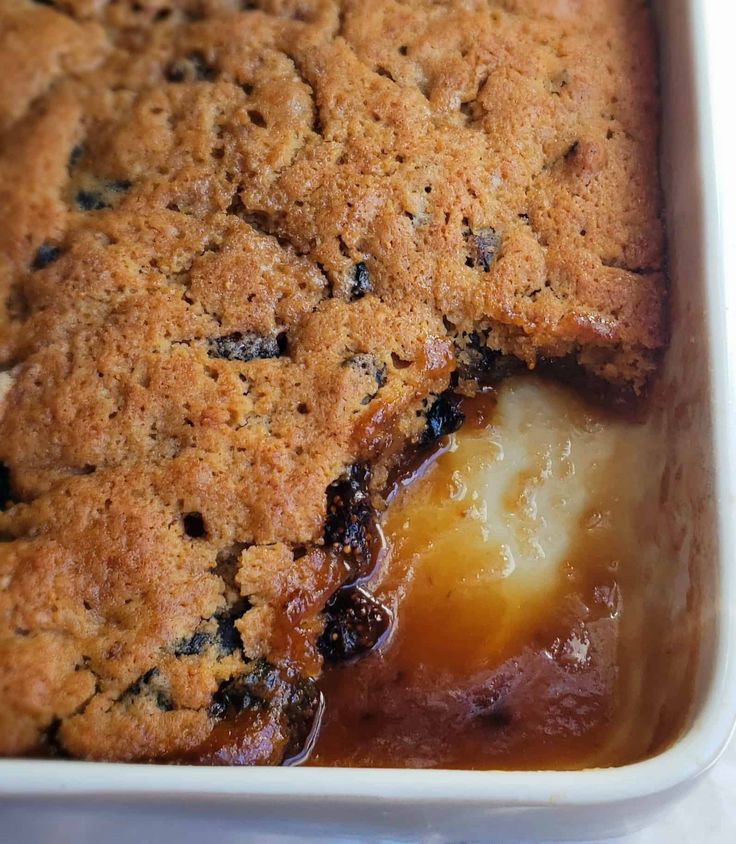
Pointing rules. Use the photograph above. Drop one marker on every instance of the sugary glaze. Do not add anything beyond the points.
(244, 248)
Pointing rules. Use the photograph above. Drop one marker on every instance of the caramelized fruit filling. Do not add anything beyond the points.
(509, 564)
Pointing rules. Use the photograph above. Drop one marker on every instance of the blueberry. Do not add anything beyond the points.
(443, 417)
(90, 201)
(6, 493)
(228, 637)
(75, 155)
(96, 200)
(247, 346)
(485, 366)
(355, 623)
(349, 517)
(45, 254)
(193, 645)
(225, 635)
(143, 685)
(370, 366)
(361, 282)
(483, 248)
(136, 687)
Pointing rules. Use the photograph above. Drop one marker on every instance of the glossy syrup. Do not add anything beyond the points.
(510, 560)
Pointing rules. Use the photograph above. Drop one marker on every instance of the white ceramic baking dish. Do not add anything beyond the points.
(285, 804)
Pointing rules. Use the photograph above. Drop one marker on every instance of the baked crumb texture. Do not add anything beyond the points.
(243, 246)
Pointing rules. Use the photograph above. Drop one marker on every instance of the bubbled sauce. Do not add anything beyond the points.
(510, 606)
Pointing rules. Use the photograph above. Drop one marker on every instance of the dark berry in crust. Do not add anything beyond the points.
(147, 684)
(247, 346)
(228, 637)
(88, 200)
(483, 248)
(75, 156)
(46, 254)
(103, 195)
(478, 363)
(443, 417)
(194, 645)
(361, 283)
(219, 631)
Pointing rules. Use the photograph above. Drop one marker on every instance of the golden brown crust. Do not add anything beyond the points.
(333, 192)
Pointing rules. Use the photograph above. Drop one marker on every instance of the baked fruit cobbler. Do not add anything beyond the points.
(257, 261)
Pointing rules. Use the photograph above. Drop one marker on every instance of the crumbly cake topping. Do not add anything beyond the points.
(244, 247)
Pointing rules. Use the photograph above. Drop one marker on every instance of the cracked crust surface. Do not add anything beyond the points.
(240, 244)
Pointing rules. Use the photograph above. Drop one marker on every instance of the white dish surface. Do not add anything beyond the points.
(706, 816)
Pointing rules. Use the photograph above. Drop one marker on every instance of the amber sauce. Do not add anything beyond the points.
(510, 559)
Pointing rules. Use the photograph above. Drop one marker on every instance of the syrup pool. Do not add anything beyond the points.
(510, 565)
